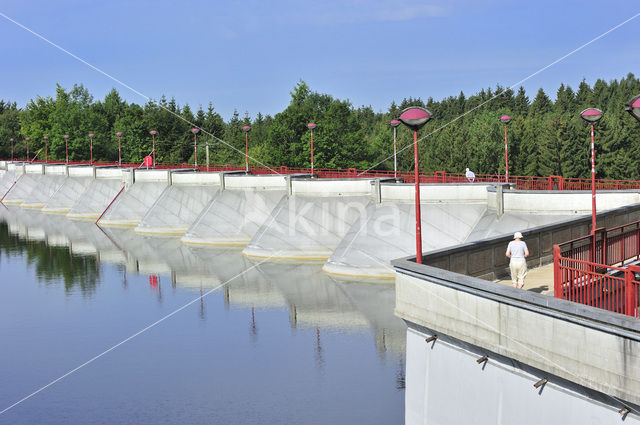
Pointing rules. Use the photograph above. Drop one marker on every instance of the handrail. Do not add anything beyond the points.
(521, 182)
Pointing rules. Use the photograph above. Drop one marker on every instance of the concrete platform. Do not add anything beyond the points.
(538, 280)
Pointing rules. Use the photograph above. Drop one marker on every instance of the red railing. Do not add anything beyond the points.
(608, 287)
(585, 269)
(520, 182)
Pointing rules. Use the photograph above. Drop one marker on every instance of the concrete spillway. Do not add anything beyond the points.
(387, 231)
(310, 224)
(233, 217)
(98, 195)
(142, 189)
(355, 226)
(180, 204)
(24, 185)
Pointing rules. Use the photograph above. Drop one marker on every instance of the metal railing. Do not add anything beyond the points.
(521, 182)
(590, 270)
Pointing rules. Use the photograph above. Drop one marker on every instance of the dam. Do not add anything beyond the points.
(329, 260)
(353, 226)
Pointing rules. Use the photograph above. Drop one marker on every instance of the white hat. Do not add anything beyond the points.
(467, 169)
(517, 235)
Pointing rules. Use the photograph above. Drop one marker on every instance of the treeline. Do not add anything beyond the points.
(545, 137)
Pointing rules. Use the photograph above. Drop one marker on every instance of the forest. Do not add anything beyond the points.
(546, 137)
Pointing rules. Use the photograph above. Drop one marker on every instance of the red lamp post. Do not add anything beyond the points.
(46, 148)
(506, 119)
(11, 140)
(119, 134)
(633, 107)
(91, 148)
(415, 118)
(394, 124)
(153, 147)
(27, 140)
(195, 146)
(66, 148)
(246, 130)
(592, 116)
(311, 126)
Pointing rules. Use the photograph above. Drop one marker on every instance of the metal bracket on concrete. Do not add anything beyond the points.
(169, 177)
(377, 192)
(500, 199)
(287, 180)
(66, 170)
(94, 172)
(221, 181)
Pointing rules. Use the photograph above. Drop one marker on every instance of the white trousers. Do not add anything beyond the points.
(518, 268)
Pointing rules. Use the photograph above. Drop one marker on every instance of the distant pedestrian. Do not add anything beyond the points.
(517, 251)
(471, 176)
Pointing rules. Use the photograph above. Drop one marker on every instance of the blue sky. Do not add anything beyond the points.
(249, 55)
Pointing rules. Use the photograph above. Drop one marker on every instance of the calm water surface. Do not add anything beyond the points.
(273, 344)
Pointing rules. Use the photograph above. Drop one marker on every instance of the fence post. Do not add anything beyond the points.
(557, 277)
(630, 302)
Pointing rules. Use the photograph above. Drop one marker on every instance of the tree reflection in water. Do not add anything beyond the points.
(53, 263)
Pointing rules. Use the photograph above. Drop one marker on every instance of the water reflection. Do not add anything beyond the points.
(50, 261)
(319, 309)
(72, 250)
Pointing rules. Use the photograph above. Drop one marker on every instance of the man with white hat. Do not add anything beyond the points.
(470, 175)
(517, 251)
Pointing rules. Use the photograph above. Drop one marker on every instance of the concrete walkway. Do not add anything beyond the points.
(538, 280)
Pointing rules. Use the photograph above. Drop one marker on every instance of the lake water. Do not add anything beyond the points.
(267, 344)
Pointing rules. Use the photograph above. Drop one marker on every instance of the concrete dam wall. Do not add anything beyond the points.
(354, 226)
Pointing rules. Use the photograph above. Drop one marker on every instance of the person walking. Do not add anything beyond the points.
(517, 252)
(471, 176)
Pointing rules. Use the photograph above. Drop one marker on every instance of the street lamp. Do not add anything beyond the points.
(91, 148)
(394, 124)
(246, 130)
(11, 140)
(633, 107)
(153, 147)
(415, 118)
(311, 126)
(195, 146)
(119, 134)
(506, 119)
(27, 140)
(592, 116)
(46, 148)
(66, 147)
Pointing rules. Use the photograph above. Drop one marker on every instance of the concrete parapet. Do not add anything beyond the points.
(331, 187)
(487, 259)
(576, 347)
(195, 178)
(142, 175)
(16, 167)
(436, 192)
(3, 165)
(263, 182)
(34, 168)
(80, 171)
(554, 202)
(108, 172)
(55, 169)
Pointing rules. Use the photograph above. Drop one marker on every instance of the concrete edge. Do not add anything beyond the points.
(583, 315)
